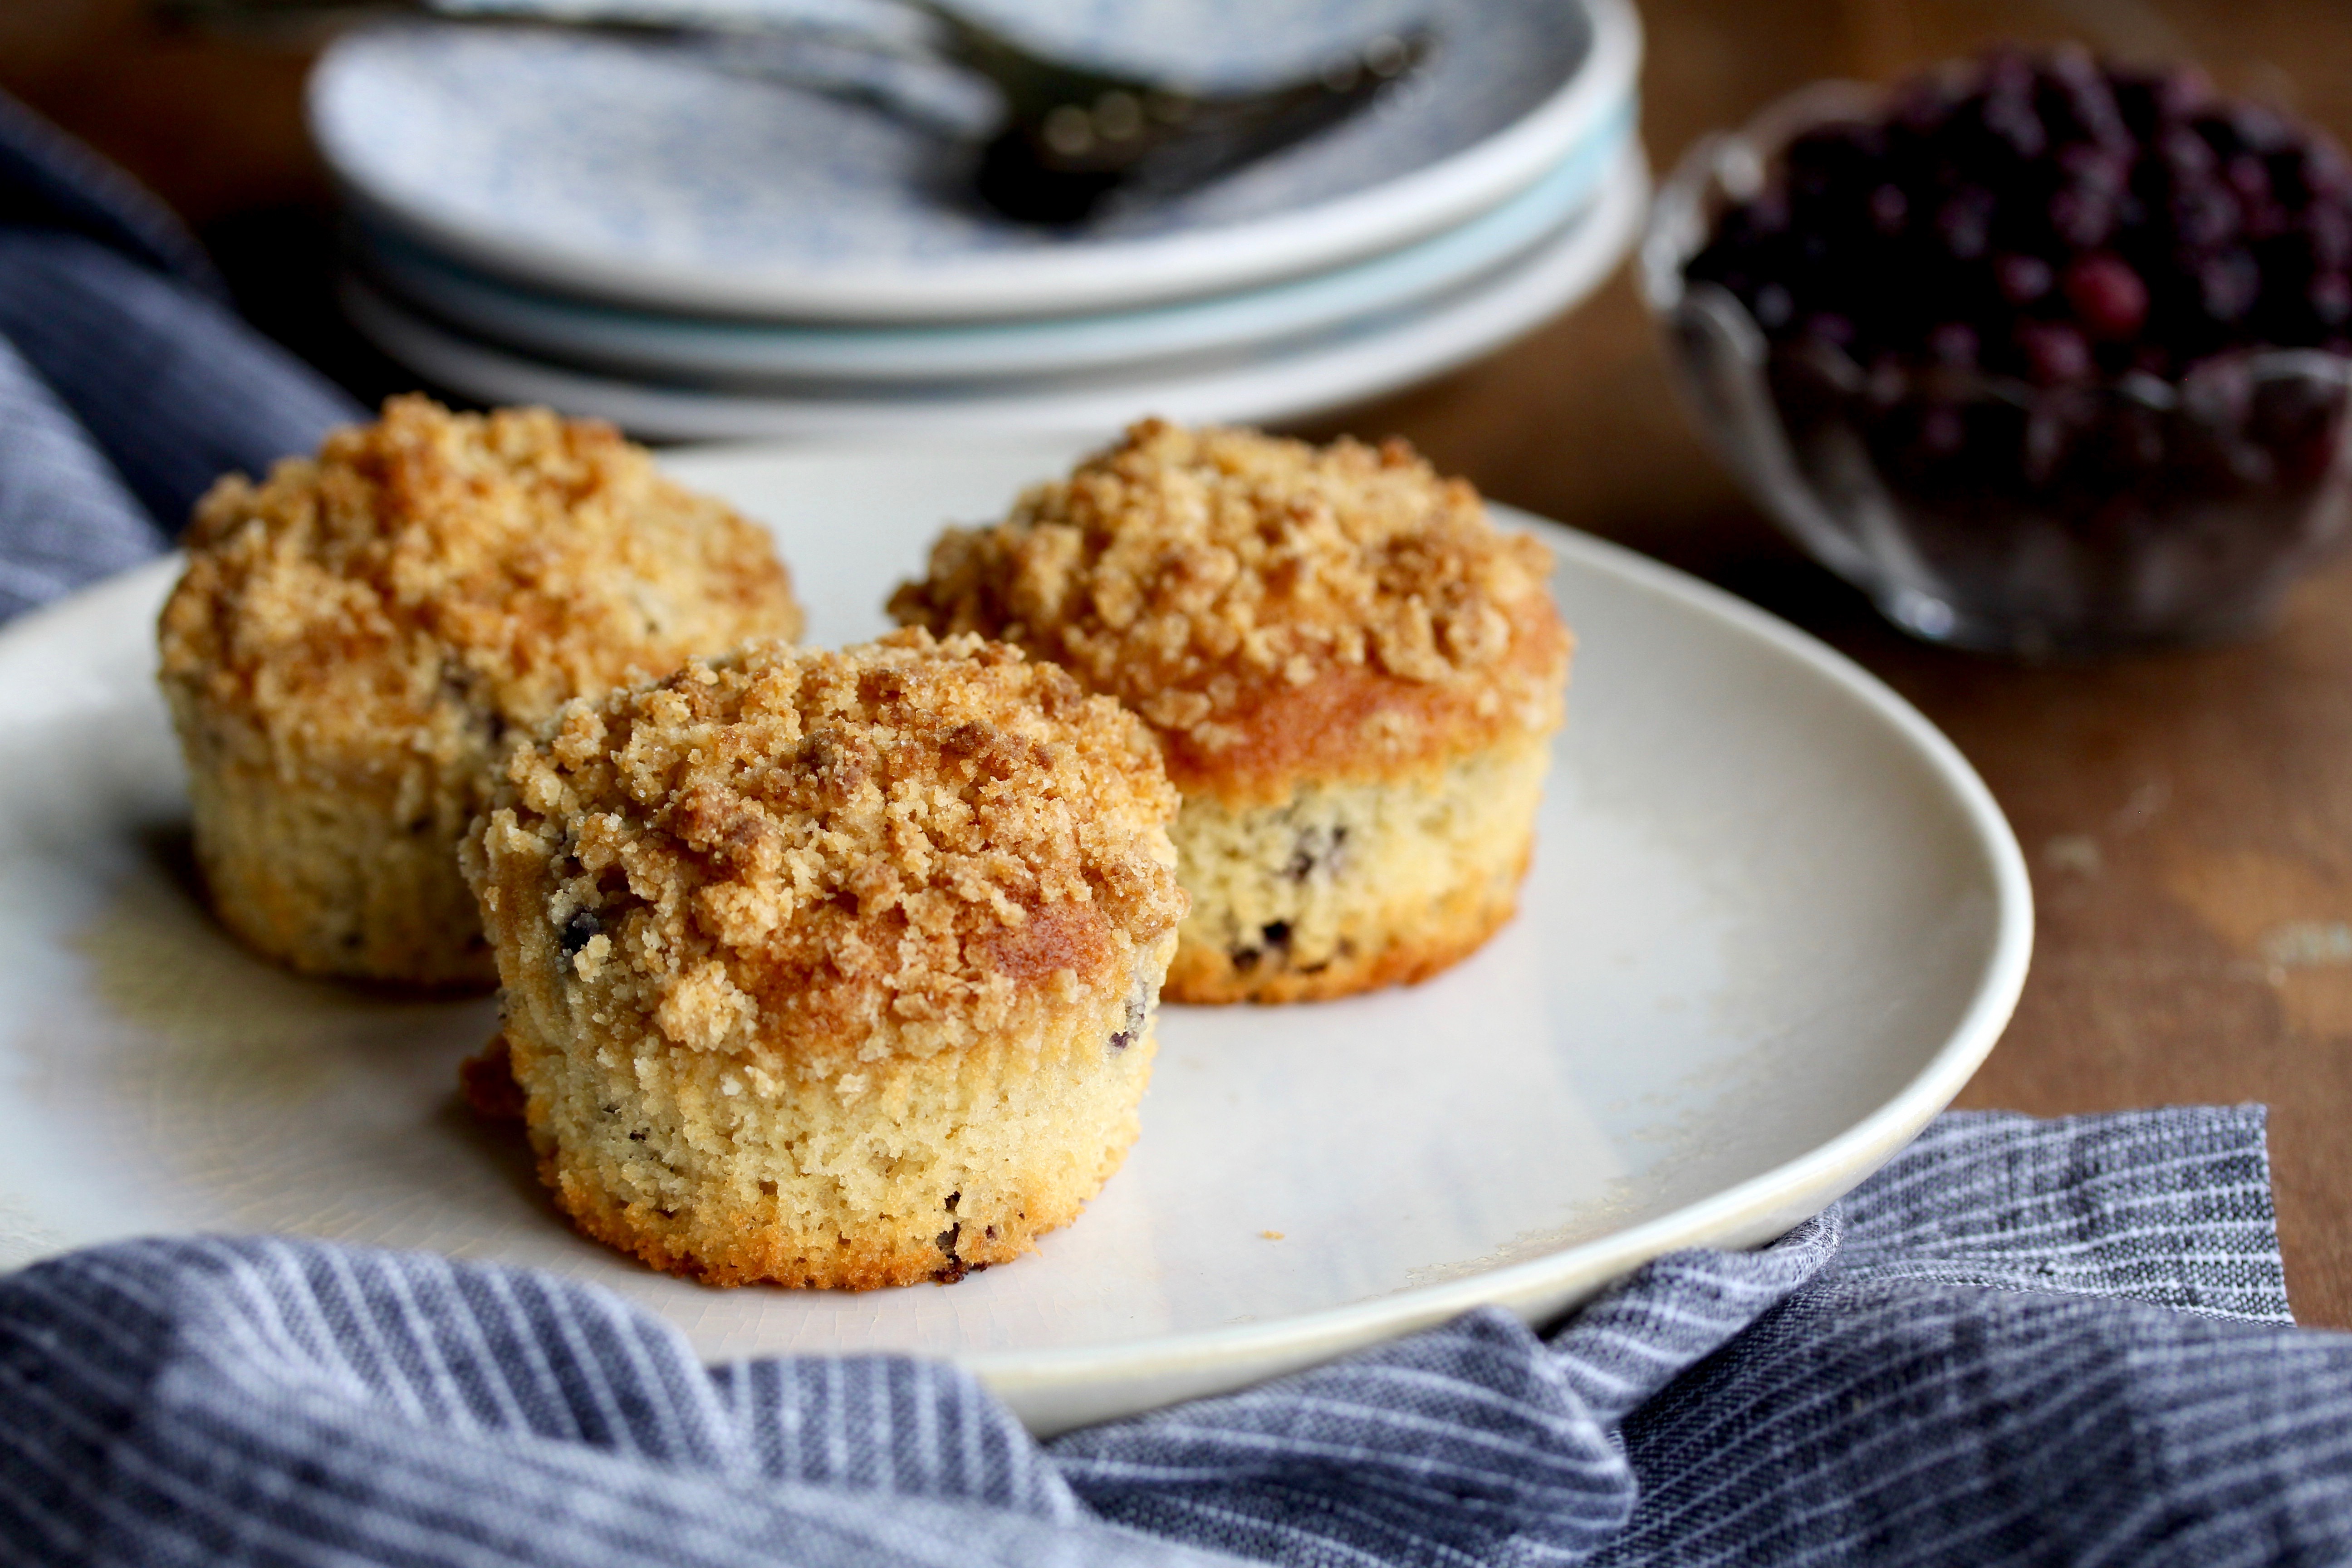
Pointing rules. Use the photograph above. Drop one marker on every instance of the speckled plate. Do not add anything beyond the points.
(1774, 923)
(617, 339)
(586, 165)
(1262, 381)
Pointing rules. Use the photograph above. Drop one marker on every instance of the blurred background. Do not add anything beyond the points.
(1579, 415)
(2180, 809)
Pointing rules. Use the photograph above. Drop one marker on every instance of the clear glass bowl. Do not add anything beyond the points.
(1987, 512)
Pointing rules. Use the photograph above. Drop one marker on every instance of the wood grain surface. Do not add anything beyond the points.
(2188, 815)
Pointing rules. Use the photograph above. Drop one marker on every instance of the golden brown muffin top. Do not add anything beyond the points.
(1275, 610)
(904, 847)
(435, 574)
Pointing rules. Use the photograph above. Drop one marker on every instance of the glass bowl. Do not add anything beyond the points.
(1987, 512)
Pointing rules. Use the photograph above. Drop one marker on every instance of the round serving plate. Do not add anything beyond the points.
(1282, 380)
(1774, 922)
(589, 166)
(615, 338)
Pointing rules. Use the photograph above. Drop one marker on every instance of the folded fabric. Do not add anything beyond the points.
(127, 384)
(2023, 1342)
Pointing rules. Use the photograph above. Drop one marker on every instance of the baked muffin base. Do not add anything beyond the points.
(1351, 886)
(334, 875)
(731, 1170)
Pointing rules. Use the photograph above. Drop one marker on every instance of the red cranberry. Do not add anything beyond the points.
(2107, 296)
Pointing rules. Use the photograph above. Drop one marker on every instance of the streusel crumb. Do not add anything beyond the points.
(1275, 610)
(436, 565)
(899, 849)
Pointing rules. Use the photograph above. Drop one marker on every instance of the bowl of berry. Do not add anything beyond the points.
(2049, 356)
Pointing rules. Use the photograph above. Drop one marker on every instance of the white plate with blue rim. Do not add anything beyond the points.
(723, 351)
(1773, 924)
(1266, 382)
(590, 167)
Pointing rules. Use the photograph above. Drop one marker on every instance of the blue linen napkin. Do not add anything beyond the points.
(127, 384)
(2023, 1342)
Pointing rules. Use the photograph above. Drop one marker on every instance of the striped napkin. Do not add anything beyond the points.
(2023, 1342)
(127, 383)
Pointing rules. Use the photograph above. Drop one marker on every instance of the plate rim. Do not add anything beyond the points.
(1560, 272)
(1055, 1389)
(625, 340)
(1047, 283)
(1040, 1384)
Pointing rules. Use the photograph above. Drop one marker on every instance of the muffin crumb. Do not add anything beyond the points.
(1275, 610)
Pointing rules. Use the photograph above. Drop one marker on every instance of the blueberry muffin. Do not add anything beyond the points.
(357, 640)
(834, 970)
(1353, 676)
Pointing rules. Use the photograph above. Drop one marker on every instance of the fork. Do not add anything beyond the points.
(1062, 138)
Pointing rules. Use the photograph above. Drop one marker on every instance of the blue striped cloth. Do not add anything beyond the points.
(127, 384)
(2024, 1341)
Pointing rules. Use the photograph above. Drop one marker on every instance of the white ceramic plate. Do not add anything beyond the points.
(1360, 360)
(582, 332)
(1774, 923)
(591, 167)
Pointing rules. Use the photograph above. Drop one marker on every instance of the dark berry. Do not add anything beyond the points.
(1964, 223)
(1888, 209)
(2022, 279)
(2227, 284)
(2011, 119)
(577, 932)
(1943, 430)
(2327, 234)
(1830, 327)
(2331, 298)
(2045, 216)
(2204, 216)
(2107, 296)
(2054, 352)
(2249, 177)
(1953, 344)
(2258, 129)
(2083, 216)
(2186, 156)
(2100, 167)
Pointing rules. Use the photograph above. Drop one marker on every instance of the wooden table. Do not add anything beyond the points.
(2188, 815)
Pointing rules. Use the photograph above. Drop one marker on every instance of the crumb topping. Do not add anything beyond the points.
(901, 846)
(1271, 608)
(445, 574)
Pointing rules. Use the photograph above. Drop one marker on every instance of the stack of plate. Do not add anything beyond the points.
(544, 216)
